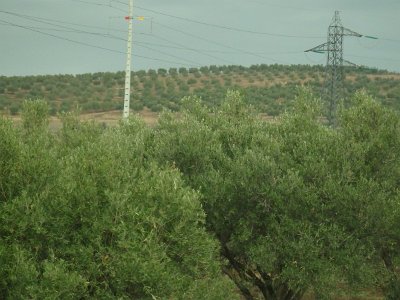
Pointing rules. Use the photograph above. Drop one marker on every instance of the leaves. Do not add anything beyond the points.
(92, 217)
(135, 212)
(294, 204)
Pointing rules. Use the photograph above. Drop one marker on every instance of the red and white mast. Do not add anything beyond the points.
(128, 63)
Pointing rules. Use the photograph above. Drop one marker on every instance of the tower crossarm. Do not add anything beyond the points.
(349, 32)
(319, 49)
(349, 63)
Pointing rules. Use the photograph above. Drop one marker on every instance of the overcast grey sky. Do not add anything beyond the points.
(34, 41)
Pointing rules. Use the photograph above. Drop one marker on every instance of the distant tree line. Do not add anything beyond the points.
(269, 88)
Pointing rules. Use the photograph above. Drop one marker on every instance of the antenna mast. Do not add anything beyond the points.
(128, 63)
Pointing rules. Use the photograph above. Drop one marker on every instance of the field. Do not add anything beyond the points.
(269, 88)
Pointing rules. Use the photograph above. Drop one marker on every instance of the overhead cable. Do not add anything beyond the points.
(87, 44)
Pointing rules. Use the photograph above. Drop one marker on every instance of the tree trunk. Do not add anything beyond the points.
(243, 290)
(257, 278)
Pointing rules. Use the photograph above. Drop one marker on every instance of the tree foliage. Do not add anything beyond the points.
(207, 205)
(295, 205)
(270, 88)
(84, 214)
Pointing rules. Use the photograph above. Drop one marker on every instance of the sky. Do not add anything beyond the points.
(40, 37)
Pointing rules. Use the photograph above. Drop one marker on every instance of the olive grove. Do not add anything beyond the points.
(208, 204)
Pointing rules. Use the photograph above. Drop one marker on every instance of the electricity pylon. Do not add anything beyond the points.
(127, 93)
(334, 77)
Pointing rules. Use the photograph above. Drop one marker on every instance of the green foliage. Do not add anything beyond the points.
(10, 160)
(191, 81)
(295, 205)
(35, 114)
(162, 72)
(133, 212)
(14, 108)
(372, 135)
(172, 71)
(270, 88)
(85, 214)
(183, 71)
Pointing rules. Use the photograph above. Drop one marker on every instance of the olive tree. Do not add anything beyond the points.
(280, 197)
(85, 214)
(370, 138)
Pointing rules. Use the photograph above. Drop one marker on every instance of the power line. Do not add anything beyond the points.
(285, 6)
(54, 22)
(390, 40)
(119, 2)
(221, 26)
(375, 58)
(177, 45)
(210, 50)
(239, 29)
(74, 30)
(61, 22)
(68, 29)
(141, 44)
(60, 37)
(98, 34)
(90, 33)
(124, 31)
(227, 27)
(191, 49)
(51, 29)
(174, 45)
(112, 37)
(170, 55)
(231, 28)
(87, 44)
(217, 43)
(198, 51)
(99, 4)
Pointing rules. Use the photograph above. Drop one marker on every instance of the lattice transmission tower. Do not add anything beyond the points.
(334, 75)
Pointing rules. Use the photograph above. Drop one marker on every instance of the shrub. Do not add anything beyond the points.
(85, 214)
(191, 81)
(295, 205)
(183, 71)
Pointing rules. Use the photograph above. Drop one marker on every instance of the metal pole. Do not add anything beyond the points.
(128, 63)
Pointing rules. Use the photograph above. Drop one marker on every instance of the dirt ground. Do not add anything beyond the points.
(109, 118)
(112, 118)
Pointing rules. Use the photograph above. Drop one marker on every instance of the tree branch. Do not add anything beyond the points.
(244, 290)
(249, 275)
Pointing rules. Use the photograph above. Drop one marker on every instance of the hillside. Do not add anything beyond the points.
(270, 88)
